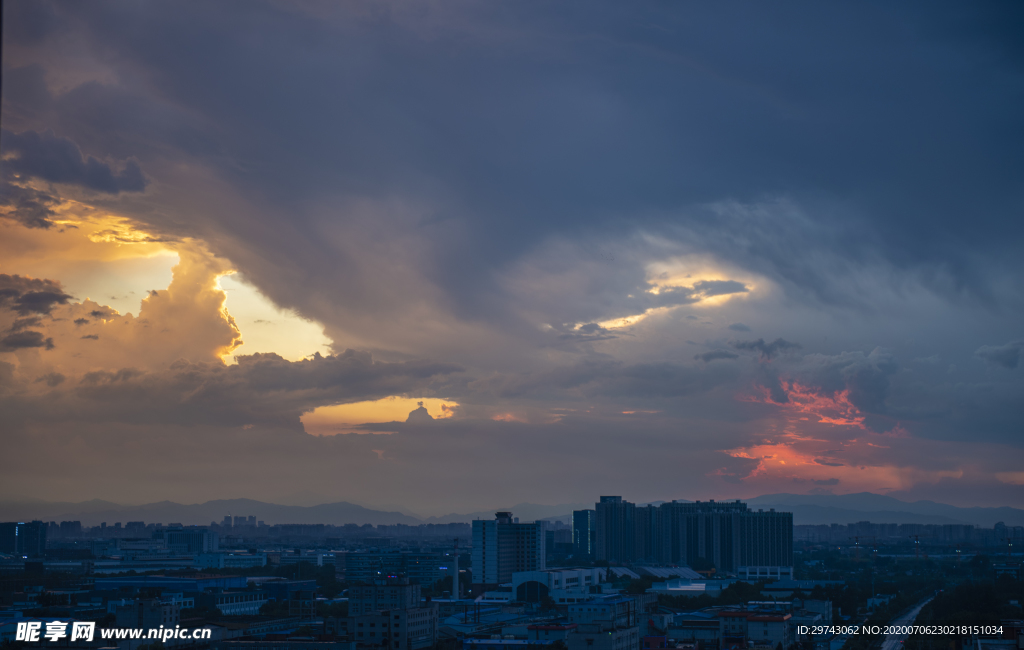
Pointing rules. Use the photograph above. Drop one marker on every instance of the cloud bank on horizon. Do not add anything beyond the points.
(662, 251)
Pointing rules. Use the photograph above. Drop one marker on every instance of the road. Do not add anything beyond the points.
(895, 641)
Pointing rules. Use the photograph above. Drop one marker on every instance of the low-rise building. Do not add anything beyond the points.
(606, 623)
(147, 613)
(561, 585)
(611, 611)
(285, 644)
(550, 631)
(389, 614)
(590, 637)
(234, 603)
(226, 560)
(754, 627)
(769, 630)
(701, 626)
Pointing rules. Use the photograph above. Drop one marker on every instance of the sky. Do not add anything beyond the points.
(450, 256)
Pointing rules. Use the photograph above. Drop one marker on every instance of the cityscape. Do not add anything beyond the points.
(511, 325)
(705, 575)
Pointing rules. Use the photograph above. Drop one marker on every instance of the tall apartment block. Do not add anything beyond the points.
(727, 534)
(584, 533)
(189, 541)
(504, 546)
(27, 539)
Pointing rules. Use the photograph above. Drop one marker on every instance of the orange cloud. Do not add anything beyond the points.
(821, 439)
(187, 320)
(835, 409)
(345, 418)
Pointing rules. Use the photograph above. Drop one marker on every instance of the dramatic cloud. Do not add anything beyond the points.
(555, 219)
(28, 295)
(59, 160)
(716, 354)
(1007, 356)
(28, 339)
(259, 389)
(766, 350)
(866, 377)
(30, 207)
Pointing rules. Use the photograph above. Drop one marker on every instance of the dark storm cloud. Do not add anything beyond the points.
(716, 354)
(827, 463)
(52, 379)
(824, 481)
(260, 388)
(766, 350)
(25, 339)
(59, 160)
(393, 161)
(35, 20)
(588, 332)
(25, 323)
(30, 207)
(866, 376)
(607, 378)
(29, 295)
(517, 114)
(709, 288)
(674, 296)
(1006, 356)
(944, 410)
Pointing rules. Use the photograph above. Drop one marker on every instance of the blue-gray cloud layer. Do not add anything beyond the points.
(493, 184)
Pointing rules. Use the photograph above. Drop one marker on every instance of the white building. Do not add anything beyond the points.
(561, 585)
(504, 546)
(235, 603)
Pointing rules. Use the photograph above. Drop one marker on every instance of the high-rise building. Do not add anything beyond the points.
(504, 546)
(646, 544)
(23, 538)
(725, 534)
(708, 531)
(615, 530)
(420, 568)
(584, 533)
(189, 541)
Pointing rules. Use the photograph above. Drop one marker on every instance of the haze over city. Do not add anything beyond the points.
(451, 257)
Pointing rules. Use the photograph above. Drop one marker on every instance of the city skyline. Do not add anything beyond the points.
(444, 258)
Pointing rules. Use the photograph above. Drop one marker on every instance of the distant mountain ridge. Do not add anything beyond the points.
(881, 509)
(524, 511)
(203, 513)
(806, 509)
